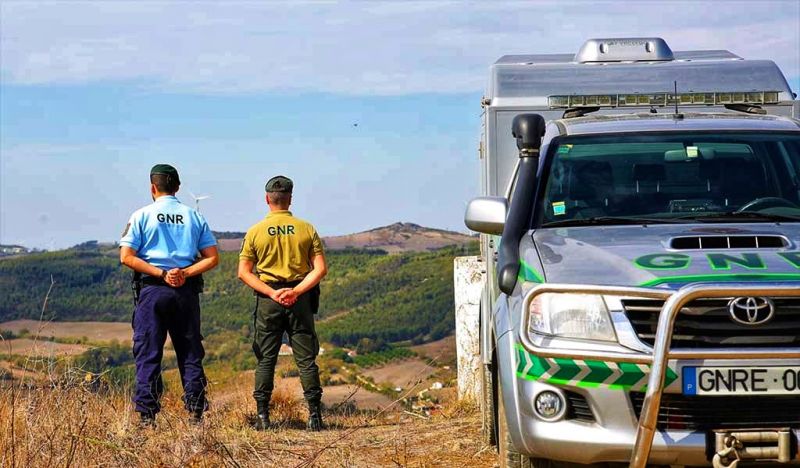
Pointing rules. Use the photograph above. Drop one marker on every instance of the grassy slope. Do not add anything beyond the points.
(366, 294)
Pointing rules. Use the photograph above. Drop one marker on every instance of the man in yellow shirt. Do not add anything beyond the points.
(289, 263)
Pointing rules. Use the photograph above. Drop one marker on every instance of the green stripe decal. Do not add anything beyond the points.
(528, 273)
(670, 377)
(586, 373)
(567, 369)
(598, 372)
(540, 368)
(723, 278)
(631, 375)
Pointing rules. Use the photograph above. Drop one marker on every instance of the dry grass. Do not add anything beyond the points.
(63, 421)
(74, 425)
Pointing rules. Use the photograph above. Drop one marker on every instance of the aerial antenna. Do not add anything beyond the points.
(197, 200)
(677, 115)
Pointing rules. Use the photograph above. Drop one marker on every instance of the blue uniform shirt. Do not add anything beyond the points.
(167, 233)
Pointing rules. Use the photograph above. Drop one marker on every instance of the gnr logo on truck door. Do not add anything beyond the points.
(280, 230)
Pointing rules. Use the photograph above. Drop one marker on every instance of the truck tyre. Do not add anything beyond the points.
(508, 455)
(488, 415)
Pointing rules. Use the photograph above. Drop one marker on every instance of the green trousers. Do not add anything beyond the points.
(271, 320)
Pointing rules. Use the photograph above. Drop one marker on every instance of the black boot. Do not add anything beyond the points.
(262, 418)
(314, 417)
(196, 418)
(147, 420)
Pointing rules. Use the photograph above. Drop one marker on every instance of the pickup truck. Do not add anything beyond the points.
(642, 244)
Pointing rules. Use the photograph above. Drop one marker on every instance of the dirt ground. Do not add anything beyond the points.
(333, 396)
(41, 348)
(93, 331)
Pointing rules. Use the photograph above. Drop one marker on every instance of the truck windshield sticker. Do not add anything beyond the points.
(559, 208)
(586, 373)
(564, 149)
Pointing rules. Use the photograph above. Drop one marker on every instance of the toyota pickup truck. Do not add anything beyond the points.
(640, 220)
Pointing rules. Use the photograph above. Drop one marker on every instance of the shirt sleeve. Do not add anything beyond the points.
(206, 236)
(132, 236)
(316, 244)
(247, 252)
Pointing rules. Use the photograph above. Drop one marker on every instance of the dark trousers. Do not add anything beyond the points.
(271, 320)
(161, 310)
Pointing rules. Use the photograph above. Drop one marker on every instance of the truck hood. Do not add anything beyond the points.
(642, 256)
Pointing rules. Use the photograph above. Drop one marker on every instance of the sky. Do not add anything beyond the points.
(372, 108)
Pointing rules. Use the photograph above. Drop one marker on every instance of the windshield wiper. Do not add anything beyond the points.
(738, 215)
(612, 220)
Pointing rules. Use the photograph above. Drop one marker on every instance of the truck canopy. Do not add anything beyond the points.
(614, 67)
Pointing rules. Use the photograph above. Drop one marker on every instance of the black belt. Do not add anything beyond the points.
(278, 285)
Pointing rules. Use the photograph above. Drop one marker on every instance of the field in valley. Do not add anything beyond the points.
(91, 331)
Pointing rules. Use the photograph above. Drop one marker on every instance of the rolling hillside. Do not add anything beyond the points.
(367, 294)
(399, 237)
(395, 238)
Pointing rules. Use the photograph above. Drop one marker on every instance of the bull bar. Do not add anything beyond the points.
(675, 300)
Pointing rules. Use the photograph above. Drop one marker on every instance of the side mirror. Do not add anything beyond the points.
(486, 215)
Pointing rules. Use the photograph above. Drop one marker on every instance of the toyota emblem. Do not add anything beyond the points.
(751, 310)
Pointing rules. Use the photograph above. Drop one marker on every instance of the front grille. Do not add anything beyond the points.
(706, 323)
(578, 408)
(680, 412)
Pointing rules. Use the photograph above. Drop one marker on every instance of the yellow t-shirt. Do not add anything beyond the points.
(282, 247)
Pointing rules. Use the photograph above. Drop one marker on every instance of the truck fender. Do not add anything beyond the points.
(506, 373)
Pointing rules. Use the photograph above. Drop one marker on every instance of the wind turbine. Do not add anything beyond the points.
(197, 200)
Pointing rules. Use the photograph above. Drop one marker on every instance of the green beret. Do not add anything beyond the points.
(279, 184)
(166, 169)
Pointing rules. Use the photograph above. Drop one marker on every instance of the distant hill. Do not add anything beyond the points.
(399, 237)
(367, 293)
(395, 238)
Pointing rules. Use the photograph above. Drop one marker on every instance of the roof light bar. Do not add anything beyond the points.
(662, 99)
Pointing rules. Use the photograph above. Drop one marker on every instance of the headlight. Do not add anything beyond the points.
(581, 316)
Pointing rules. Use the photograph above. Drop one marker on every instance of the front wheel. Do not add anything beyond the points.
(488, 419)
(508, 455)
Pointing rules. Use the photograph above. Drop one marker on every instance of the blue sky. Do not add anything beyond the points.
(93, 94)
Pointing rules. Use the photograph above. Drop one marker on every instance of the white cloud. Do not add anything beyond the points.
(353, 48)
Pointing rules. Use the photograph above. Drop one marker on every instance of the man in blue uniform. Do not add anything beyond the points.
(170, 245)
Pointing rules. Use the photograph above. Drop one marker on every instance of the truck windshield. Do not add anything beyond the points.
(668, 178)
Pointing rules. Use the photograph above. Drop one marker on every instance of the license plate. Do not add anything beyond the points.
(766, 380)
